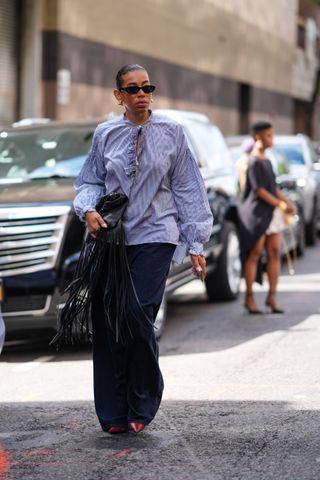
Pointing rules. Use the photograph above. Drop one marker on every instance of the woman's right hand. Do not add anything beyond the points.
(94, 222)
(287, 207)
(291, 208)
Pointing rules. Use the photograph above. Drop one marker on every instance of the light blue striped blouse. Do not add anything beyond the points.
(167, 196)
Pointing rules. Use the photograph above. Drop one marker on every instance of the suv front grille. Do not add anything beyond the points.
(24, 303)
(30, 238)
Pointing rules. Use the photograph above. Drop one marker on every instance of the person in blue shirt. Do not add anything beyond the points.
(145, 156)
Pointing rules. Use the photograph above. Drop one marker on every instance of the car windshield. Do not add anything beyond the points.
(43, 153)
(212, 149)
(293, 152)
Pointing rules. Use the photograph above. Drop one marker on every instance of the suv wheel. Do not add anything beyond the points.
(161, 318)
(301, 238)
(311, 229)
(224, 282)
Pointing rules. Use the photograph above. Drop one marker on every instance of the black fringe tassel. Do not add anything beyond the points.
(108, 249)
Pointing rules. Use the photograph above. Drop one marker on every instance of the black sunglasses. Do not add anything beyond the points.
(133, 89)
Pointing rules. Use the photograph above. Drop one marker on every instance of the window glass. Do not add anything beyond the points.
(313, 154)
(43, 153)
(293, 152)
(190, 143)
(211, 148)
(282, 162)
(279, 161)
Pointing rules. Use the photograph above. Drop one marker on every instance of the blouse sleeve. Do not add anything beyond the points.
(90, 183)
(256, 175)
(194, 214)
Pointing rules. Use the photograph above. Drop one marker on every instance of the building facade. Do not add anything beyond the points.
(235, 60)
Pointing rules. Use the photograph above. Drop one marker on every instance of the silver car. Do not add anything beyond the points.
(2, 325)
(303, 164)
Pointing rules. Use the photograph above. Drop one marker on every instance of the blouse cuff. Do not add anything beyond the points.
(81, 212)
(195, 248)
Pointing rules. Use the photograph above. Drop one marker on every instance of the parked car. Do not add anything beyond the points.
(303, 162)
(2, 325)
(288, 184)
(40, 235)
(2, 332)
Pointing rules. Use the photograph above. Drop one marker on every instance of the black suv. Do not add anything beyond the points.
(40, 235)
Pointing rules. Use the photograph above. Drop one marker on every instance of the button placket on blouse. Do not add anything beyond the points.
(139, 147)
(134, 152)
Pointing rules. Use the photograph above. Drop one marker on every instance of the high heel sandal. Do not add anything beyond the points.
(272, 306)
(252, 311)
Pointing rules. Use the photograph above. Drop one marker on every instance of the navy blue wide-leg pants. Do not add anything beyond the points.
(128, 383)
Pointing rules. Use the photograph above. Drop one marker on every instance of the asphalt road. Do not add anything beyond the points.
(242, 398)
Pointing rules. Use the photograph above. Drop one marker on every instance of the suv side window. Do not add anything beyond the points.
(212, 149)
(293, 152)
(313, 154)
(282, 166)
(191, 145)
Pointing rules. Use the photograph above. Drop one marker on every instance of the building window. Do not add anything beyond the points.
(301, 34)
(244, 107)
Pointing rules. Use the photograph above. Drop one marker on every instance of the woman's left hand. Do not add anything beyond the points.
(198, 265)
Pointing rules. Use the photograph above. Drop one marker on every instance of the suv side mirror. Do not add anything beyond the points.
(286, 182)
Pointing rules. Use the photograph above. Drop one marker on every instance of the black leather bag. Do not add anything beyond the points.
(111, 208)
(106, 251)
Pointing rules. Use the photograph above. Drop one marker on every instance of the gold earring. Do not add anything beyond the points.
(259, 144)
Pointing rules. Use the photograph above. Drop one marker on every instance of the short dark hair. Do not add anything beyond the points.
(131, 67)
(260, 126)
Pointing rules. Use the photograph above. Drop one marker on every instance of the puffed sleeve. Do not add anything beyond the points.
(189, 192)
(90, 183)
(257, 175)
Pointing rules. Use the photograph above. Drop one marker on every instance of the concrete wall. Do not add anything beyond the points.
(31, 59)
(203, 35)
(8, 62)
(266, 16)
(197, 53)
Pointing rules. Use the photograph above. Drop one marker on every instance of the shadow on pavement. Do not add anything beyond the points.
(220, 326)
(187, 440)
(27, 352)
(206, 329)
(196, 326)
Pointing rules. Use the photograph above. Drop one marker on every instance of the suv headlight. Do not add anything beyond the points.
(301, 182)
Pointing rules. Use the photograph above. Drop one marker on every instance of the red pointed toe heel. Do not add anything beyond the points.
(113, 430)
(136, 426)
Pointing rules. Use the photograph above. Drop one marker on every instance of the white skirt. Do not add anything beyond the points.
(277, 224)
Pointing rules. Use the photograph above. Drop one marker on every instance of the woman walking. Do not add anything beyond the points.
(144, 156)
(261, 219)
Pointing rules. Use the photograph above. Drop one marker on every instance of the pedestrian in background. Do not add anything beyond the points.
(261, 220)
(146, 157)
(241, 164)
